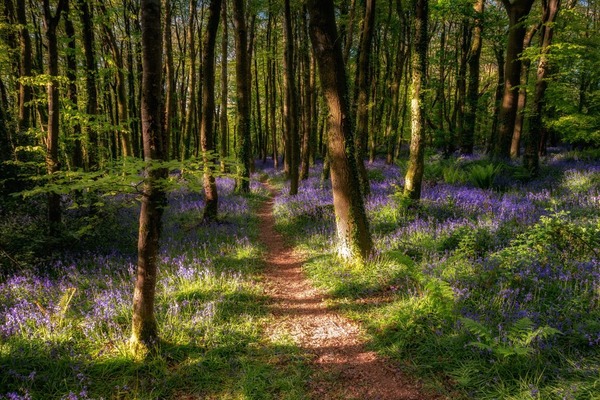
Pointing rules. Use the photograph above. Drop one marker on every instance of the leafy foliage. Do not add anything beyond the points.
(482, 176)
(518, 339)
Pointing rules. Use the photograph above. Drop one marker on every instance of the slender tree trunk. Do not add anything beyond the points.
(517, 10)
(190, 110)
(392, 128)
(170, 104)
(515, 147)
(208, 110)
(72, 88)
(52, 162)
(362, 107)
(467, 138)
(499, 53)
(349, 32)
(121, 88)
(242, 71)
(352, 225)
(414, 174)
(290, 107)
(132, 116)
(261, 150)
(224, 103)
(6, 142)
(307, 109)
(144, 332)
(272, 99)
(25, 92)
(536, 126)
(461, 87)
(91, 73)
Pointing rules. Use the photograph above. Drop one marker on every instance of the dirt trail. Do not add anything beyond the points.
(344, 368)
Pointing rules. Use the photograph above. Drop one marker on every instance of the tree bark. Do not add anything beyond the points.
(144, 332)
(362, 107)
(170, 104)
(550, 9)
(91, 73)
(515, 146)
(414, 174)
(72, 88)
(242, 71)
(467, 138)
(499, 53)
(352, 226)
(25, 92)
(224, 103)
(517, 10)
(307, 109)
(190, 110)
(52, 162)
(123, 130)
(290, 108)
(208, 111)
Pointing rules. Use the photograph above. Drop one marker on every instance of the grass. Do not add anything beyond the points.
(65, 322)
(486, 294)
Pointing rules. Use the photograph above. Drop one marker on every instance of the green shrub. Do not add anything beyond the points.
(453, 174)
(482, 176)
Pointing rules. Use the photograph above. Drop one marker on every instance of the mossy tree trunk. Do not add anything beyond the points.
(144, 328)
(414, 174)
(242, 72)
(352, 225)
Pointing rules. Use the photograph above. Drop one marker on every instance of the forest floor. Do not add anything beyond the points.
(343, 367)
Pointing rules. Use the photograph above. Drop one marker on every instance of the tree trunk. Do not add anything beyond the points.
(190, 110)
(121, 88)
(224, 103)
(25, 92)
(290, 108)
(352, 225)
(52, 162)
(414, 174)
(467, 138)
(362, 107)
(531, 157)
(515, 146)
(144, 333)
(91, 74)
(307, 109)
(499, 53)
(517, 10)
(461, 87)
(242, 71)
(72, 88)
(133, 111)
(208, 110)
(170, 104)
(272, 99)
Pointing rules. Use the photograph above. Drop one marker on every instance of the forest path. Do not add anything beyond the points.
(343, 368)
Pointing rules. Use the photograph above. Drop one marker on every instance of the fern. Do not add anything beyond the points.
(518, 342)
(482, 176)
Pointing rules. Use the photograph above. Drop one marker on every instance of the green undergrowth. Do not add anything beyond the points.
(210, 308)
(475, 303)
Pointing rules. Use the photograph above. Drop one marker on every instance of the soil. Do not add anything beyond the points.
(343, 367)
